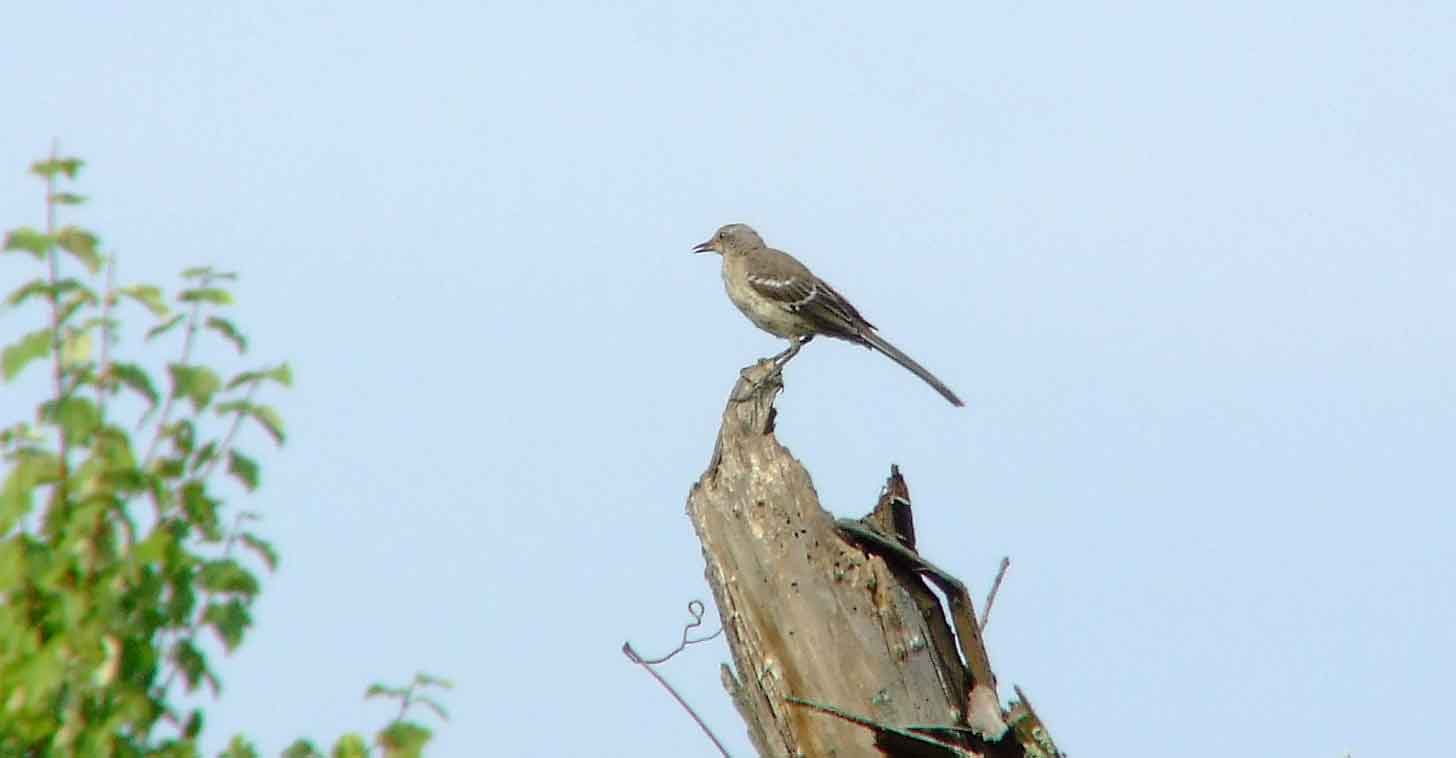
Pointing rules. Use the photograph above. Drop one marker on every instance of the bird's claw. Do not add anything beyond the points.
(775, 371)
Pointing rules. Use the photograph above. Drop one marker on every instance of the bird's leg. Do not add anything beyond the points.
(793, 350)
(778, 362)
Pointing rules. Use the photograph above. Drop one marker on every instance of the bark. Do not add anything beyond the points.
(840, 648)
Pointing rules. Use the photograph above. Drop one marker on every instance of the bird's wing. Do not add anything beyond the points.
(779, 277)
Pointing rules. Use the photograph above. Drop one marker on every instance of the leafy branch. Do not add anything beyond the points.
(114, 561)
(98, 598)
(397, 739)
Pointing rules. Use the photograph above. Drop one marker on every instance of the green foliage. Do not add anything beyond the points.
(123, 569)
(25, 239)
(81, 244)
(19, 354)
(52, 166)
(401, 738)
(404, 739)
(228, 332)
(148, 296)
(239, 748)
(195, 383)
(350, 746)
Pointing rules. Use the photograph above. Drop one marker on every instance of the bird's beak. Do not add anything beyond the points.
(704, 247)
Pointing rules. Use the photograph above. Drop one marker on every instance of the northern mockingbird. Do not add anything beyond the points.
(782, 297)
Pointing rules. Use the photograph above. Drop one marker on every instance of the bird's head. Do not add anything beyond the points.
(733, 238)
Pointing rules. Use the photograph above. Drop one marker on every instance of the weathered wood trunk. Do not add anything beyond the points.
(812, 616)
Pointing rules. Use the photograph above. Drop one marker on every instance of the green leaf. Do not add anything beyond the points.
(225, 575)
(195, 383)
(28, 290)
(193, 726)
(76, 349)
(29, 471)
(239, 748)
(169, 468)
(200, 509)
(204, 455)
(404, 739)
(113, 447)
(40, 287)
(281, 374)
(229, 332)
(190, 662)
(232, 406)
(262, 548)
(35, 345)
(53, 166)
(244, 469)
(230, 620)
(137, 380)
(18, 434)
(242, 378)
(425, 680)
(67, 198)
(183, 434)
(206, 295)
(430, 703)
(380, 690)
(72, 284)
(181, 597)
(29, 240)
(77, 416)
(148, 296)
(350, 746)
(82, 298)
(302, 749)
(164, 327)
(270, 420)
(197, 272)
(156, 546)
(81, 244)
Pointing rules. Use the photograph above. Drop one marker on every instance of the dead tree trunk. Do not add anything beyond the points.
(839, 646)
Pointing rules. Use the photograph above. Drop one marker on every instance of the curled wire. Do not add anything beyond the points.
(696, 609)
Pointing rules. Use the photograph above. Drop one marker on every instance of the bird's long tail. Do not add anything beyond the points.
(877, 342)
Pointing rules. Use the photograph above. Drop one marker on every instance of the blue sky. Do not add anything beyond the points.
(1192, 269)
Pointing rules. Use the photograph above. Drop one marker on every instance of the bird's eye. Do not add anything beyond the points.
(722, 234)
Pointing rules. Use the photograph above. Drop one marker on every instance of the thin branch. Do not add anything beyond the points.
(104, 366)
(58, 369)
(189, 633)
(995, 586)
(410, 696)
(187, 342)
(697, 609)
(632, 655)
(232, 432)
(405, 700)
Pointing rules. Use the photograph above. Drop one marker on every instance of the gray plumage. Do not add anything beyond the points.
(784, 298)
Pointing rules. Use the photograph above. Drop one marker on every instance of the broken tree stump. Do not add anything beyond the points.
(839, 647)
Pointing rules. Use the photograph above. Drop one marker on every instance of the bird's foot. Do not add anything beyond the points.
(756, 383)
(776, 368)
